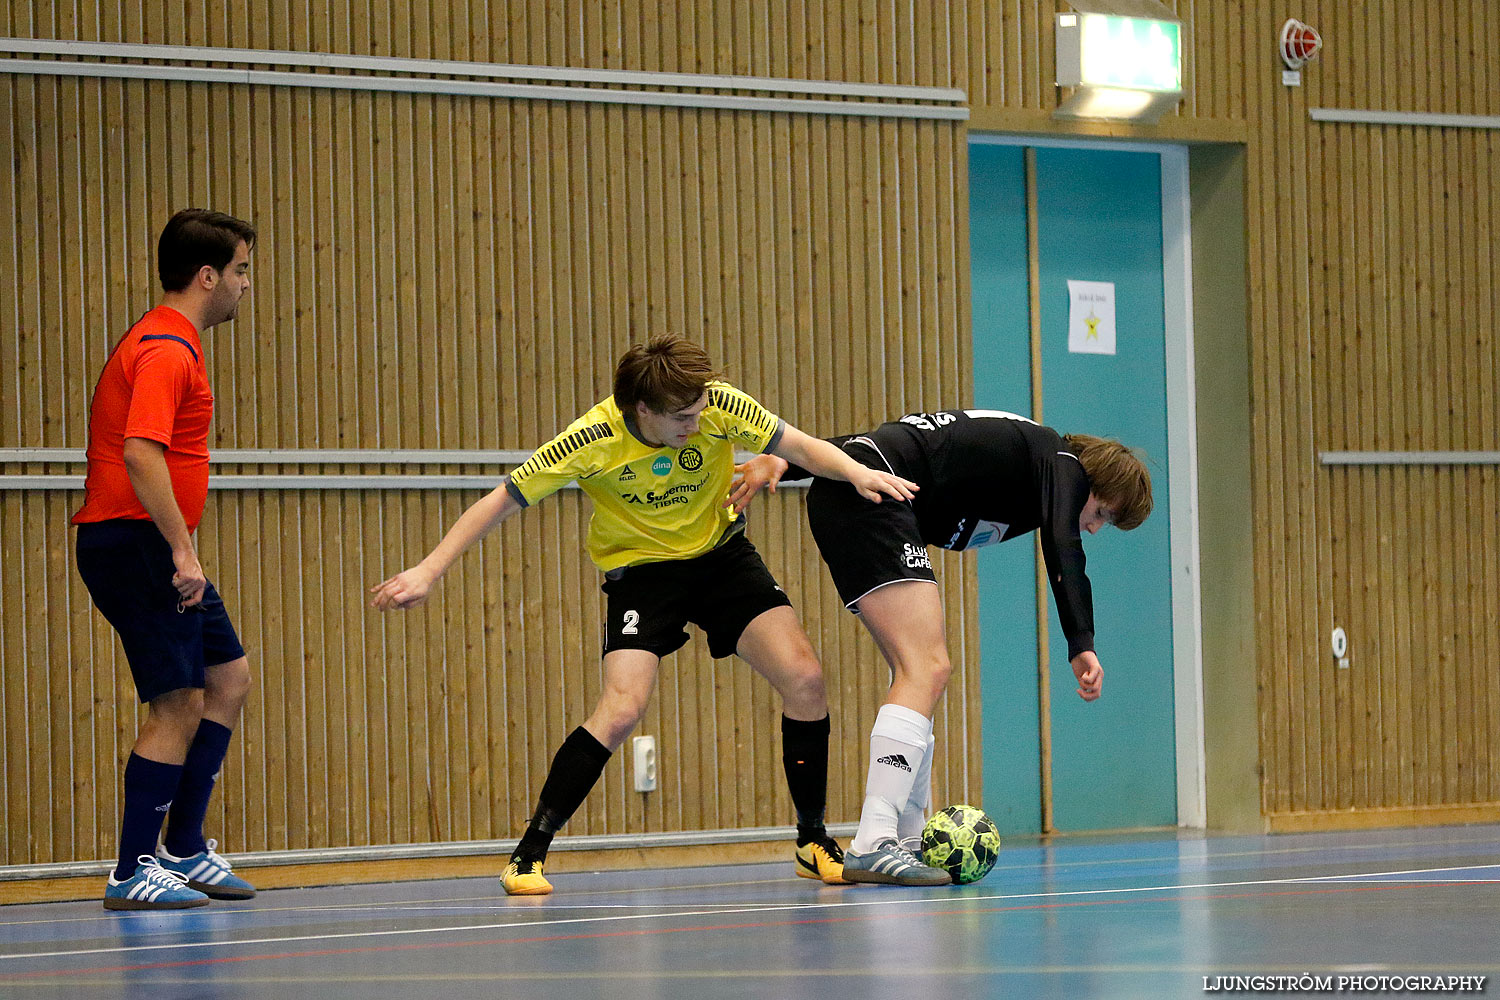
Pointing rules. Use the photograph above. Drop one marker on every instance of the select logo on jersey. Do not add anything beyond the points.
(691, 459)
(626, 474)
(895, 760)
(915, 557)
(661, 465)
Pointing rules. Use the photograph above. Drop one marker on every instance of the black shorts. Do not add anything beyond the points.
(127, 567)
(866, 545)
(720, 591)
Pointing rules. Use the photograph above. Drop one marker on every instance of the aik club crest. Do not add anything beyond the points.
(691, 459)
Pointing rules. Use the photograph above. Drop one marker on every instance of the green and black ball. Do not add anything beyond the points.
(962, 841)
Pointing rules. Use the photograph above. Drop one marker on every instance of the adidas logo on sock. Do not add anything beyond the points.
(895, 760)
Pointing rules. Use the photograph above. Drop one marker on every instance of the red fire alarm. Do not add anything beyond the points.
(1299, 43)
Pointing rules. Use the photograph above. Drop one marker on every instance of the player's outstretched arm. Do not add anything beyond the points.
(829, 461)
(409, 588)
(761, 472)
(1090, 675)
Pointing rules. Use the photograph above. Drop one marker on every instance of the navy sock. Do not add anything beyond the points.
(575, 770)
(149, 787)
(199, 772)
(804, 755)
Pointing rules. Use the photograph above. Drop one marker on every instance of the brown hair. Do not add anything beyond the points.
(667, 373)
(195, 237)
(1117, 477)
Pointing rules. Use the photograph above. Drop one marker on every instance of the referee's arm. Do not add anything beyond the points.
(146, 465)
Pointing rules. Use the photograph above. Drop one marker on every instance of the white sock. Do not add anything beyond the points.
(898, 745)
(914, 815)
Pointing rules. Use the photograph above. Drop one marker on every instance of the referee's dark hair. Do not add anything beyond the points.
(196, 237)
(667, 373)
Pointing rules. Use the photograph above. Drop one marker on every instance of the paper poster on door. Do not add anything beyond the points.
(1091, 317)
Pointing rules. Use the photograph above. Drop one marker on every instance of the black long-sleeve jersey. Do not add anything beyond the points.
(987, 476)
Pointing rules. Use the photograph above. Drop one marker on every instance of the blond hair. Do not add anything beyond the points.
(1117, 477)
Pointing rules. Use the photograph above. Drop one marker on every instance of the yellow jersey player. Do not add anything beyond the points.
(656, 458)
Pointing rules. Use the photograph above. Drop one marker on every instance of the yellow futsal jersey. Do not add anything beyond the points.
(651, 503)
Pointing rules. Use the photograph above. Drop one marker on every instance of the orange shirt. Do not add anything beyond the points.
(155, 386)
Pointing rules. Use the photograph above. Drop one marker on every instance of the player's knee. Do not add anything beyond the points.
(179, 711)
(940, 670)
(938, 675)
(229, 684)
(617, 714)
(804, 684)
(930, 670)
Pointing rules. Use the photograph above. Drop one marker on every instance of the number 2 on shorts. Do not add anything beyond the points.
(632, 619)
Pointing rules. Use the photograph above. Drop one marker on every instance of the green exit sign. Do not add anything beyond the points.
(1128, 53)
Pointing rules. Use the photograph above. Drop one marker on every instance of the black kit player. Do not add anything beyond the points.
(985, 476)
(657, 459)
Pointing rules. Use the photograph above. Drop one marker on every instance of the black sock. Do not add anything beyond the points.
(205, 757)
(804, 754)
(575, 770)
(149, 787)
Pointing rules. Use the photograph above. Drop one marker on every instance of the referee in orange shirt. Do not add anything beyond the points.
(145, 491)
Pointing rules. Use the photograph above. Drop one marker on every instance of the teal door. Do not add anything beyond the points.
(1099, 218)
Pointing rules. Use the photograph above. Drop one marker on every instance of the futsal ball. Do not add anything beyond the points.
(962, 841)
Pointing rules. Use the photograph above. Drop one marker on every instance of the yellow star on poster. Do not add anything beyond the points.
(1093, 324)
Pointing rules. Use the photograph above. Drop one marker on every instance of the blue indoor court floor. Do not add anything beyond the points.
(1138, 916)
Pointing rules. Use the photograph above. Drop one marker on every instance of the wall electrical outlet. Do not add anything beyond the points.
(644, 748)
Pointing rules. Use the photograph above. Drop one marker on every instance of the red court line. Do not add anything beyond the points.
(641, 932)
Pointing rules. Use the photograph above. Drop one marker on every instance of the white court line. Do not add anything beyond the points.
(512, 908)
(1488, 841)
(772, 908)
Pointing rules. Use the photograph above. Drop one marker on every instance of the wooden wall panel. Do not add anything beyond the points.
(454, 272)
(460, 272)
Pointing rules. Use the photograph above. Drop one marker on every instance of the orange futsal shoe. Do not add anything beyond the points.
(823, 860)
(523, 877)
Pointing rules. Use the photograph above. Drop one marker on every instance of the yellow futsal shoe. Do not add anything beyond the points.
(823, 860)
(523, 877)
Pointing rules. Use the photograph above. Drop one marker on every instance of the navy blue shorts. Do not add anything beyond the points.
(127, 567)
(721, 592)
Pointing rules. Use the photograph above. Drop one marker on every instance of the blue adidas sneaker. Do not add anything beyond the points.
(209, 872)
(152, 887)
(892, 864)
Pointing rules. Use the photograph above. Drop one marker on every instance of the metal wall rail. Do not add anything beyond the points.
(305, 456)
(858, 104)
(448, 849)
(449, 67)
(1354, 116)
(1409, 457)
